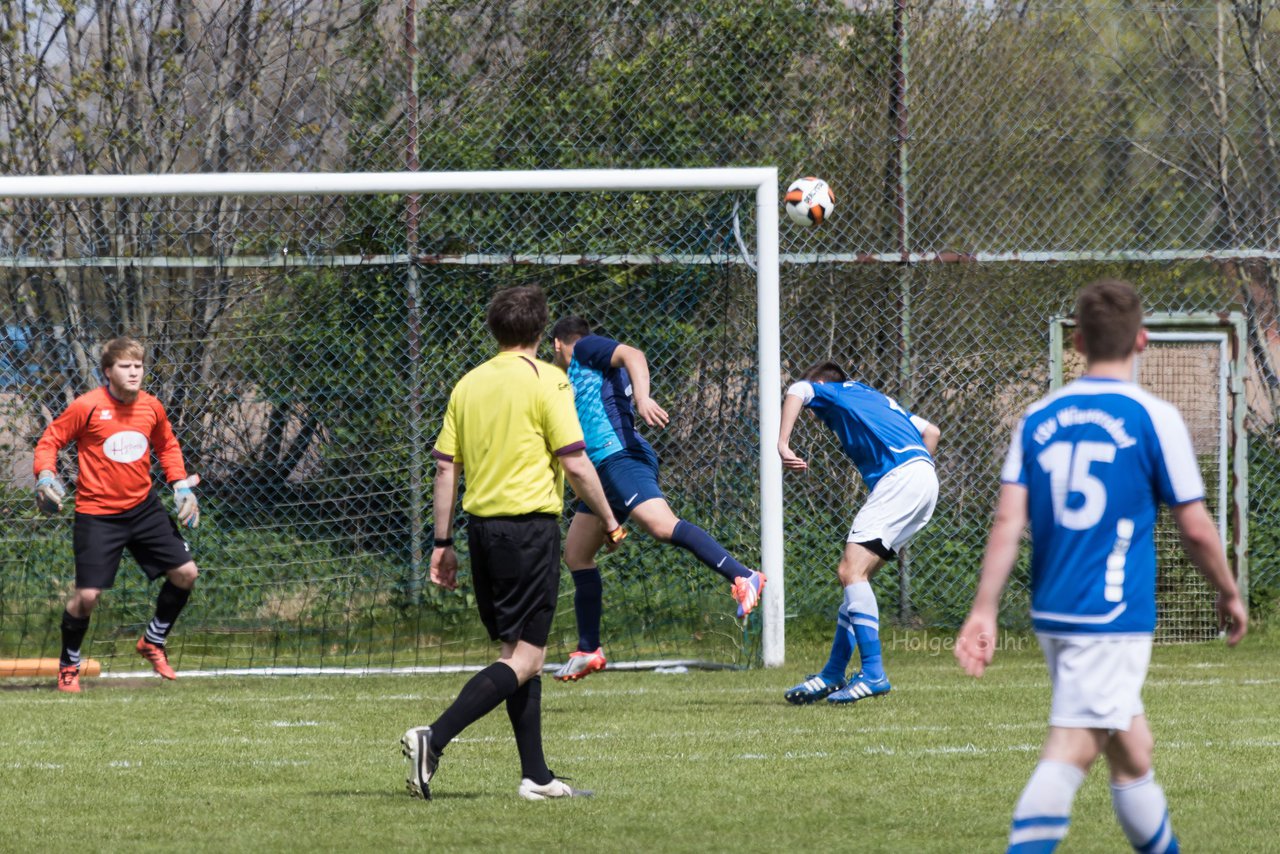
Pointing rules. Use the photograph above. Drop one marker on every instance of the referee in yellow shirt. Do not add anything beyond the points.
(512, 427)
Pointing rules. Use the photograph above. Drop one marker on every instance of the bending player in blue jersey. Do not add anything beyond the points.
(1088, 466)
(610, 388)
(893, 451)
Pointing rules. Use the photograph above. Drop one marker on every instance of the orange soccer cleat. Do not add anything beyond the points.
(747, 592)
(156, 655)
(69, 678)
(581, 664)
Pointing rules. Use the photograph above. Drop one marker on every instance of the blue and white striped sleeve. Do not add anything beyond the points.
(1178, 474)
(802, 389)
(1012, 472)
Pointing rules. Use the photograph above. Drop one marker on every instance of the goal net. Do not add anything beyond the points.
(1195, 363)
(304, 332)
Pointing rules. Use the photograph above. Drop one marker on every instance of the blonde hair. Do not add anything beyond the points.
(123, 347)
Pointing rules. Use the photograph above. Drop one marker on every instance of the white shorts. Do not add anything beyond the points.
(901, 504)
(1097, 681)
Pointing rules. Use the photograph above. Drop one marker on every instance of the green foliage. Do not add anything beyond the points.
(1264, 528)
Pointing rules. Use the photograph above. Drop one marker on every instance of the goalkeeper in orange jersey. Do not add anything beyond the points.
(116, 428)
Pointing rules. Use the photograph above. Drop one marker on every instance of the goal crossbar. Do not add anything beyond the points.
(373, 183)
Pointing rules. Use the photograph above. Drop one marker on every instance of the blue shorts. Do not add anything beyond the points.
(629, 478)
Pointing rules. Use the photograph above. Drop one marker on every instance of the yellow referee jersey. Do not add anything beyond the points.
(506, 423)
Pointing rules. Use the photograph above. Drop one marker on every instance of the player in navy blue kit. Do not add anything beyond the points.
(893, 451)
(1088, 466)
(610, 388)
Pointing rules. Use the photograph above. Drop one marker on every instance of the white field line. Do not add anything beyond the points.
(128, 764)
(965, 749)
(625, 666)
(561, 693)
(401, 671)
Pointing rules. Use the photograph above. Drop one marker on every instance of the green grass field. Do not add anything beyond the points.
(701, 761)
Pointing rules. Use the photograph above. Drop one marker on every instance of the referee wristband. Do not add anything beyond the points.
(443, 542)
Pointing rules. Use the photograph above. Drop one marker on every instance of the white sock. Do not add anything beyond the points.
(861, 598)
(1043, 813)
(864, 617)
(1144, 814)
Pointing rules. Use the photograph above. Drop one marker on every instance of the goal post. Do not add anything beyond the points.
(763, 261)
(1197, 362)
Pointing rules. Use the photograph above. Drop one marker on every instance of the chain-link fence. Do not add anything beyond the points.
(987, 159)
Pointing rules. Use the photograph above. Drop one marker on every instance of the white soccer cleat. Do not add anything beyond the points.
(423, 761)
(557, 788)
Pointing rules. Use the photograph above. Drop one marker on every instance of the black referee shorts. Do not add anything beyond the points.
(515, 566)
(147, 531)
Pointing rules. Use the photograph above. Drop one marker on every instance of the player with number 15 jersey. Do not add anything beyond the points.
(1088, 467)
(1077, 452)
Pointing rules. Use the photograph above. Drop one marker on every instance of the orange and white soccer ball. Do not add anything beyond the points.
(809, 201)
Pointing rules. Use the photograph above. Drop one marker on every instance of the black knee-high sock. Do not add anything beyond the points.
(524, 708)
(480, 696)
(169, 605)
(73, 631)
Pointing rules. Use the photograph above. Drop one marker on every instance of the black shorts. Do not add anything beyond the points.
(515, 566)
(147, 531)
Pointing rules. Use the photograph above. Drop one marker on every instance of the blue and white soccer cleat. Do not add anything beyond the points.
(811, 690)
(860, 689)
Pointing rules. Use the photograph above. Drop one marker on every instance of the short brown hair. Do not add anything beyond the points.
(824, 372)
(123, 347)
(517, 316)
(1108, 318)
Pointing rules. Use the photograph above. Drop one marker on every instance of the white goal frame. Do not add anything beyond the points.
(763, 180)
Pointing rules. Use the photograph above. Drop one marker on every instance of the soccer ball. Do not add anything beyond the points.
(809, 201)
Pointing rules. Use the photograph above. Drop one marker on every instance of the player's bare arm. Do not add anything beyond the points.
(792, 406)
(638, 368)
(586, 485)
(444, 560)
(930, 436)
(1204, 546)
(976, 642)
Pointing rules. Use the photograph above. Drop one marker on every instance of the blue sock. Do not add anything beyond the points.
(864, 616)
(1144, 815)
(841, 649)
(588, 606)
(706, 549)
(1043, 813)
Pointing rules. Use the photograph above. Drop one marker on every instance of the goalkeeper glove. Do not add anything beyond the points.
(614, 538)
(49, 493)
(185, 501)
